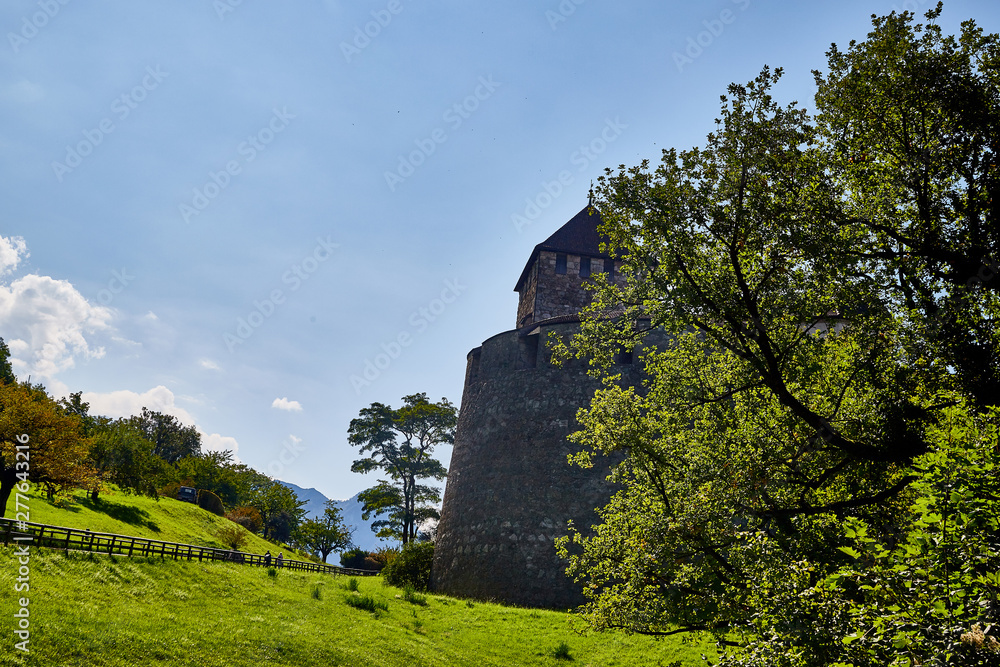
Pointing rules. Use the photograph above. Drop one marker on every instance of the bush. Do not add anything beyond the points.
(412, 566)
(248, 517)
(359, 559)
(232, 536)
(210, 502)
(170, 490)
(354, 559)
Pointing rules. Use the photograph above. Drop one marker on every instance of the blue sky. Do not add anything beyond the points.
(229, 210)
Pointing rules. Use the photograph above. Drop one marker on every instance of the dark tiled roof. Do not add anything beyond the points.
(579, 236)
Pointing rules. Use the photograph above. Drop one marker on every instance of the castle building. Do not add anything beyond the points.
(511, 490)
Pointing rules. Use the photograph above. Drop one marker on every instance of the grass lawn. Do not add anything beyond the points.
(168, 520)
(107, 611)
(102, 611)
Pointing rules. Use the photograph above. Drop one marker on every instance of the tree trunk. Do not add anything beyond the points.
(8, 478)
(93, 494)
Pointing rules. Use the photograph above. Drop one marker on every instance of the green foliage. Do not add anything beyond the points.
(411, 567)
(827, 288)
(352, 584)
(354, 558)
(247, 517)
(6, 370)
(400, 443)
(316, 594)
(56, 445)
(121, 455)
(233, 536)
(171, 439)
(210, 502)
(326, 534)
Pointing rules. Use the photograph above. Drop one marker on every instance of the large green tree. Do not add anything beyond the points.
(171, 439)
(400, 442)
(39, 444)
(820, 332)
(325, 534)
(121, 455)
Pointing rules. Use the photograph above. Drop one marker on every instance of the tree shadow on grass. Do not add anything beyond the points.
(124, 513)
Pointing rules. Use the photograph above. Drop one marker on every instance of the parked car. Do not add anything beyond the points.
(188, 494)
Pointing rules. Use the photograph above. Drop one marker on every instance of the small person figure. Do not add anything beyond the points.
(267, 558)
(278, 560)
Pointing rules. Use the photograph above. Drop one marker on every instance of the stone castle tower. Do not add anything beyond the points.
(510, 490)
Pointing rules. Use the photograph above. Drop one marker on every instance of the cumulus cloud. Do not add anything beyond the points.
(125, 403)
(12, 251)
(216, 443)
(287, 405)
(46, 324)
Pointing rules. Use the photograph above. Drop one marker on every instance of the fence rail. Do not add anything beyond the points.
(57, 537)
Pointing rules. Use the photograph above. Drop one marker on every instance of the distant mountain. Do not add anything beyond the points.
(350, 509)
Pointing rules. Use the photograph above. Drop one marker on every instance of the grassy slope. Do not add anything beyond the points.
(167, 519)
(117, 612)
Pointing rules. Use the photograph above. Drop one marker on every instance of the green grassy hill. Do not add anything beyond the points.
(166, 519)
(107, 611)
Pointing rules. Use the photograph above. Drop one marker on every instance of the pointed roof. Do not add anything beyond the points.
(579, 236)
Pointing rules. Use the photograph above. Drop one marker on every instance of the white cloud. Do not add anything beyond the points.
(46, 323)
(287, 405)
(210, 365)
(216, 443)
(125, 403)
(12, 251)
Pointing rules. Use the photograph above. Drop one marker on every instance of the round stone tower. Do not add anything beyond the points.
(510, 489)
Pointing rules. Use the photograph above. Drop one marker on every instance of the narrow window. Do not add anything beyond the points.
(560, 263)
(528, 348)
(609, 267)
(584, 267)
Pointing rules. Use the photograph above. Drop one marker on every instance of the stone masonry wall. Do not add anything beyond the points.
(510, 490)
(562, 294)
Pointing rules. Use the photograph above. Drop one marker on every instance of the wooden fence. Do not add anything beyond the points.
(56, 537)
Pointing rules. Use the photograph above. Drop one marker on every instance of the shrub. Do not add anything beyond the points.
(411, 567)
(232, 536)
(352, 584)
(354, 559)
(170, 490)
(248, 517)
(210, 502)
